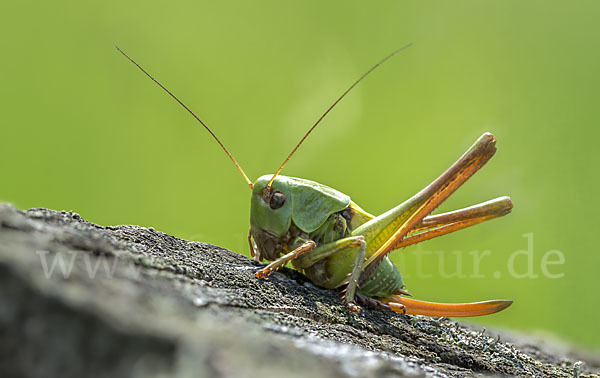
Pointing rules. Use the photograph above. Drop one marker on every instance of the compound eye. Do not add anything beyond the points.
(277, 200)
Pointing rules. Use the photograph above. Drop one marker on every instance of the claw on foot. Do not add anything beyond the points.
(353, 307)
(263, 273)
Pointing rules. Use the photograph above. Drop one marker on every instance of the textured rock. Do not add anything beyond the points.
(82, 300)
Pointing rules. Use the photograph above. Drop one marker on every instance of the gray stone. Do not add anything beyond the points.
(81, 300)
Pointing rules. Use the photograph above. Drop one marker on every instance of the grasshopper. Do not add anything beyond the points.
(337, 244)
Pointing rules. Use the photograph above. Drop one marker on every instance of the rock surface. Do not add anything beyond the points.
(81, 300)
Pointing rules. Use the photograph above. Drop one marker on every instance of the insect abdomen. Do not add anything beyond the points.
(383, 282)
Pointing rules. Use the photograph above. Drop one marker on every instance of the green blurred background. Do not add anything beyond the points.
(83, 130)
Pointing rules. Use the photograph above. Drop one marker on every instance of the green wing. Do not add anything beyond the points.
(313, 203)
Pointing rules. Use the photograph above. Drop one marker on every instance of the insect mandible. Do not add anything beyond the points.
(338, 245)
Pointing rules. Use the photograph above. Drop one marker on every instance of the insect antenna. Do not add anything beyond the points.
(332, 106)
(192, 113)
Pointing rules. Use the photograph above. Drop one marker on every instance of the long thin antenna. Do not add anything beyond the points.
(332, 106)
(192, 113)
